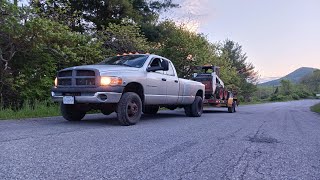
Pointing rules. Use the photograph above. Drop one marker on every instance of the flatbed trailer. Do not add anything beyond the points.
(229, 103)
(216, 95)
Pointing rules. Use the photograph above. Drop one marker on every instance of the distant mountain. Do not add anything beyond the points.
(294, 77)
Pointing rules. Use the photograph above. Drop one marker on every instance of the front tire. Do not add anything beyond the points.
(71, 112)
(129, 109)
(195, 109)
(150, 109)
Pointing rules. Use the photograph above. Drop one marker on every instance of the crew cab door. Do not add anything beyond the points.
(172, 85)
(156, 90)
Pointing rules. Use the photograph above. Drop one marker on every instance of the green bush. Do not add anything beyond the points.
(279, 97)
(295, 96)
(241, 99)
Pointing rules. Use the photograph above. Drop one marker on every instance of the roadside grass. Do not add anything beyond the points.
(253, 102)
(316, 108)
(40, 109)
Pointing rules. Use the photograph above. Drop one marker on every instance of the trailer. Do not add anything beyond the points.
(216, 94)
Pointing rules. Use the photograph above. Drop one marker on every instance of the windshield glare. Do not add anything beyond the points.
(136, 61)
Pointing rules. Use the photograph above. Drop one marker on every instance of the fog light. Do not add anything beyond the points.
(103, 97)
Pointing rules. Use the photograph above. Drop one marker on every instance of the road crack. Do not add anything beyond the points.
(221, 142)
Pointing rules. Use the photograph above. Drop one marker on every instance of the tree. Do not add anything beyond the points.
(186, 49)
(10, 44)
(312, 81)
(85, 15)
(238, 60)
(233, 53)
(123, 38)
(286, 87)
(32, 50)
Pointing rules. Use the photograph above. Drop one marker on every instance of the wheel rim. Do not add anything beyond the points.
(132, 109)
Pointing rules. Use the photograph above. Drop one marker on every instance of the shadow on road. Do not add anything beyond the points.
(100, 119)
(215, 111)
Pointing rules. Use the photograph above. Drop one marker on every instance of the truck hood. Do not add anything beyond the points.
(105, 68)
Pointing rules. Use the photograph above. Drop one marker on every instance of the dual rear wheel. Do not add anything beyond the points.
(195, 109)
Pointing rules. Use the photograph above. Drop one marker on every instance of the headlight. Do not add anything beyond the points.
(112, 81)
(56, 82)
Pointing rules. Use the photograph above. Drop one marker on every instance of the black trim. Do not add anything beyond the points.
(118, 89)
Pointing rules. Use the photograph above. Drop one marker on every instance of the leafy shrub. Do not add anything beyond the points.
(279, 97)
(241, 99)
(295, 96)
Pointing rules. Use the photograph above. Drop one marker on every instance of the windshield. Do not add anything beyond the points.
(136, 61)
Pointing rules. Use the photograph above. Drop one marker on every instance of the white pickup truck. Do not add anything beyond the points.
(127, 85)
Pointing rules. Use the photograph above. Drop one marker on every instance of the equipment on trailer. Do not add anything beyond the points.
(216, 94)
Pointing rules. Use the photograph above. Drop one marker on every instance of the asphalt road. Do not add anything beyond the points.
(266, 141)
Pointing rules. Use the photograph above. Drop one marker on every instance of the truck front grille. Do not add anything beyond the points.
(85, 73)
(85, 81)
(78, 78)
(64, 82)
(65, 73)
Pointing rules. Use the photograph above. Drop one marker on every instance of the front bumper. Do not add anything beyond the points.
(88, 95)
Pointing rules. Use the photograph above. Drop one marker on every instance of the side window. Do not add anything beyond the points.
(217, 81)
(156, 62)
(170, 72)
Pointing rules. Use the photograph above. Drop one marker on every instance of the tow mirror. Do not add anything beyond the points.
(154, 68)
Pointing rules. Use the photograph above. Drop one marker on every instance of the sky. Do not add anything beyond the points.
(278, 36)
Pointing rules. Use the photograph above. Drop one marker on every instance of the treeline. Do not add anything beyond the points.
(307, 87)
(47, 35)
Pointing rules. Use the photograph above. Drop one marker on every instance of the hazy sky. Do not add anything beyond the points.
(278, 36)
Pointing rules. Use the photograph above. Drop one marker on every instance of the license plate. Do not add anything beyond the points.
(68, 100)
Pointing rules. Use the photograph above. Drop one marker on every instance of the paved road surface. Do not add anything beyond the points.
(267, 141)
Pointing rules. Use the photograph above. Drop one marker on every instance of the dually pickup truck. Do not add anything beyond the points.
(128, 85)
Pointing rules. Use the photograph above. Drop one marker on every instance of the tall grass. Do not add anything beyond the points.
(39, 109)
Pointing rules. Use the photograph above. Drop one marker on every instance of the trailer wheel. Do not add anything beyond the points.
(233, 108)
(71, 112)
(195, 109)
(129, 109)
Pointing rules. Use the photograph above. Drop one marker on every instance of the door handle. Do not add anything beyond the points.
(164, 79)
(176, 81)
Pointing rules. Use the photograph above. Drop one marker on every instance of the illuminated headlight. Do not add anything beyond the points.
(110, 81)
(56, 82)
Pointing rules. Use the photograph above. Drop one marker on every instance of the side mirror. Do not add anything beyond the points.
(155, 68)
